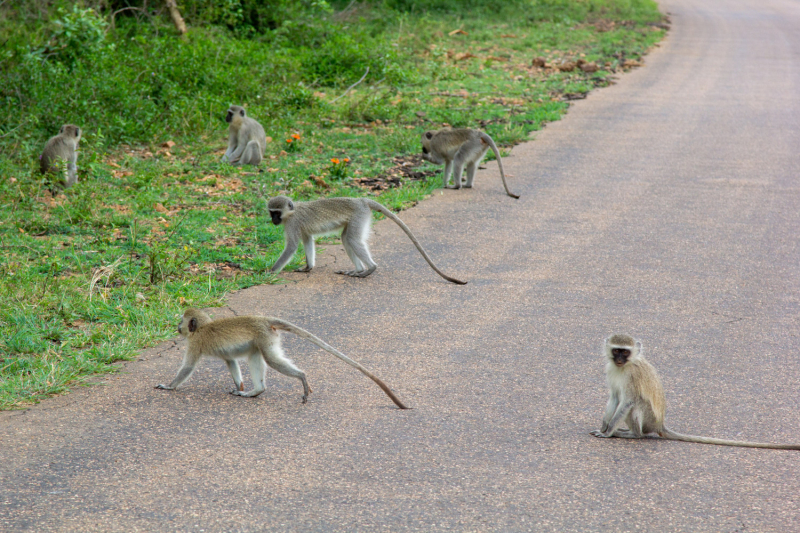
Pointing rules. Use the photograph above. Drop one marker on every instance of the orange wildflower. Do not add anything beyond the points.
(289, 141)
(335, 161)
(346, 159)
(296, 136)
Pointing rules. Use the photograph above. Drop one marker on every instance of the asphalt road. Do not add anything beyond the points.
(665, 206)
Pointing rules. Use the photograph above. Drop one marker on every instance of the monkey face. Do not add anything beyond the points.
(276, 217)
(229, 116)
(187, 325)
(424, 149)
(620, 356)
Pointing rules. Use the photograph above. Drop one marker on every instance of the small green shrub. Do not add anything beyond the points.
(76, 34)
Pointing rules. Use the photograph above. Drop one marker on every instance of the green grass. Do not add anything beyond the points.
(95, 273)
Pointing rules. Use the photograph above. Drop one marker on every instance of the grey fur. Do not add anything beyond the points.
(457, 149)
(247, 141)
(303, 221)
(62, 147)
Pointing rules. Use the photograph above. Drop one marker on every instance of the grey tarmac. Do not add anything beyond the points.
(666, 206)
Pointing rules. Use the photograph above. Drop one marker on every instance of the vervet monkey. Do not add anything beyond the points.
(457, 148)
(307, 220)
(246, 138)
(62, 147)
(636, 399)
(258, 339)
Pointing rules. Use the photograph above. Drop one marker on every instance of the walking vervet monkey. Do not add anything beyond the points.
(246, 138)
(457, 148)
(256, 338)
(636, 399)
(303, 221)
(62, 147)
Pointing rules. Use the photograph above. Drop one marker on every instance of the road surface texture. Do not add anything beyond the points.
(665, 206)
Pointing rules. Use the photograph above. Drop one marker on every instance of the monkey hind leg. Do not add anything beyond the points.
(471, 168)
(257, 374)
(274, 357)
(251, 154)
(355, 244)
(458, 171)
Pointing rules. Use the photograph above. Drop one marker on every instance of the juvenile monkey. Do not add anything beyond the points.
(246, 138)
(307, 220)
(62, 147)
(457, 148)
(636, 399)
(258, 339)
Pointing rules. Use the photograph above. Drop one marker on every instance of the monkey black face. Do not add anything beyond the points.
(276, 217)
(620, 356)
(229, 116)
(424, 150)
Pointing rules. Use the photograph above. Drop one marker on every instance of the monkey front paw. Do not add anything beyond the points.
(304, 269)
(598, 433)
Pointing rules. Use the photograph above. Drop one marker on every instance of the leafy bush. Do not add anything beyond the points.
(76, 34)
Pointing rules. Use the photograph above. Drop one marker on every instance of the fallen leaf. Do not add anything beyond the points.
(457, 32)
(630, 63)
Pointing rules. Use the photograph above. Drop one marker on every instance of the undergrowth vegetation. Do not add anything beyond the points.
(90, 275)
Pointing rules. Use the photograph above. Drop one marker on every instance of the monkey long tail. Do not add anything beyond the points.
(300, 332)
(378, 207)
(491, 143)
(672, 435)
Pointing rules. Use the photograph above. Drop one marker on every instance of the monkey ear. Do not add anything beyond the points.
(192, 325)
(638, 347)
(241, 112)
(61, 130)
(428, 135)
(77, 131)
(291, 204)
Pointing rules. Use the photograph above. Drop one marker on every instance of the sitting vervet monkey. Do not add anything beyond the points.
(636, 399)
(256, 338)
(62, 148)
(303, 221)
(246, 138)
(457, 148)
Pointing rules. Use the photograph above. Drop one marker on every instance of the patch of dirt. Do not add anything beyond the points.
(402, 172)
(224, 270)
